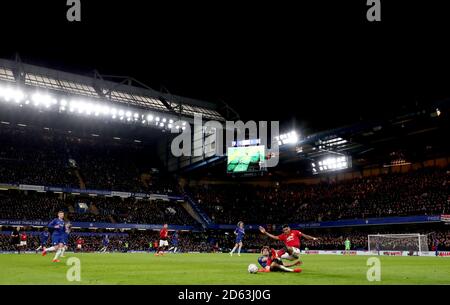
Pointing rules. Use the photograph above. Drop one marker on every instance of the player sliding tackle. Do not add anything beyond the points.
(271, 262)
(291, 240)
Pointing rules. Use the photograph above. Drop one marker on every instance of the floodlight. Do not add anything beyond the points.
(12, 94)
(105, 110)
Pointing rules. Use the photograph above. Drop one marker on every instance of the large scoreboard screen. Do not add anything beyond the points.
(245, 159)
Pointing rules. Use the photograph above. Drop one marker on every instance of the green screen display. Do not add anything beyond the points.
(245, 159)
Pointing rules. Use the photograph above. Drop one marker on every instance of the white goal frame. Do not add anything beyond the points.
(422, 242)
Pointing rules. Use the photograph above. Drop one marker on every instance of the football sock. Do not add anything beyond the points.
(58, 253)
(285, 269)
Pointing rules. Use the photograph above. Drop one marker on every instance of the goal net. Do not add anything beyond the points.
(398, 242)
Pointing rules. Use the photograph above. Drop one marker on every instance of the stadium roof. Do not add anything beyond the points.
(119, 90)
(410, 137)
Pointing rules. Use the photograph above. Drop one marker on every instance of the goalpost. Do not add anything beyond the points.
(398, 242)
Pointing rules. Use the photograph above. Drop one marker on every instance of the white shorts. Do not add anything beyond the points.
(23, 243)
(295, 254)
(163, 243)
(78, 246)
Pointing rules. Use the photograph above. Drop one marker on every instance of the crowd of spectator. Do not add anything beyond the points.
(422, 192)
(47, 157)
(131, 210)
(118, 241)
(34, 158)
(220, 241)
(30, 205)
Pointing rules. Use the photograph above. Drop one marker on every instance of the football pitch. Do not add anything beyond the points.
(185, 269)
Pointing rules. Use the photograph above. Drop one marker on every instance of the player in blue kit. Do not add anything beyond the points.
(59, 228)
(67, 229)
(43, 239)
(239, 232)
(270, 260)
(174, 242)
(105, 243)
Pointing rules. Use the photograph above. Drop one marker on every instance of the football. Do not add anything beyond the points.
(252, 268)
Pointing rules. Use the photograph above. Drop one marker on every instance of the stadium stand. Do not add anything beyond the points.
(421, 192)
(77, 159)
(20, 205)
(46, 157)
(216, 241)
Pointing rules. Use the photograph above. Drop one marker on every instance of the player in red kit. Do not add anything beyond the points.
(163, 243)
(23, 241)
(79, 242)
(291, 240)
(270, 261)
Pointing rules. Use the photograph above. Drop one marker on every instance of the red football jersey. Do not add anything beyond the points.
(273, 255)
(80, 241)
(292, 239)
(163, 233)
(23, 237)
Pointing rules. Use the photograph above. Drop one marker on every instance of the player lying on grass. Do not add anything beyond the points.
(271, 262)
(291, 240)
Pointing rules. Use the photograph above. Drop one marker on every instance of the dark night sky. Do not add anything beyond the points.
(316, 65)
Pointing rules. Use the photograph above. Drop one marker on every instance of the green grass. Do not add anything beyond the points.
(138, 268)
